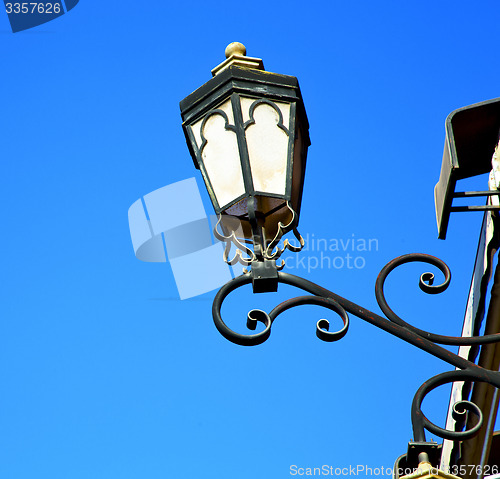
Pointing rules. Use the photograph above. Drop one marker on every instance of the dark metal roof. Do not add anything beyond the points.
(471, 136)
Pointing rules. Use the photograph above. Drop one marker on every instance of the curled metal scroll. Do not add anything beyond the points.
(460, 408)
(241, 249)
(256, 315)
(253, 316)
(273, 251)
(426, 284)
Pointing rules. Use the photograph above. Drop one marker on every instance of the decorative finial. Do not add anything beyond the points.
(236, 56)
(235, 48)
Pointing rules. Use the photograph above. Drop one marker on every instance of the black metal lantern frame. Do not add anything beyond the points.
(262, 217)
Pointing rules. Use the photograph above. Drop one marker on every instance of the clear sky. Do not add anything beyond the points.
(104, 372)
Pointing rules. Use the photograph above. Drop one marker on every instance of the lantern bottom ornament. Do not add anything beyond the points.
(264, 248)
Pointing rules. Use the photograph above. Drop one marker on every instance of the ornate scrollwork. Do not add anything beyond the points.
(426, 285)
(241, 249)
(257, 315)
(392, 323)
(460, 408)
(271, 251)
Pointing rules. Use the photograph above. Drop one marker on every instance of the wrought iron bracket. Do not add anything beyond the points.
(391, 323)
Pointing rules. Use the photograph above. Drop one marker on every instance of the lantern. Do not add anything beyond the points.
(247, 133)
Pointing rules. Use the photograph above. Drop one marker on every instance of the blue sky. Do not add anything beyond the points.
(105, 373)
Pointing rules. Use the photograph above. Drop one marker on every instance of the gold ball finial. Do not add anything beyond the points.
(236, 57)
(235, 48)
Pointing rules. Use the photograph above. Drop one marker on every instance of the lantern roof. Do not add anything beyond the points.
(237, 79)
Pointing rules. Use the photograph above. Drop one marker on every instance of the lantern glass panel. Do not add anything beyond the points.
(267, 136)
(216, 139)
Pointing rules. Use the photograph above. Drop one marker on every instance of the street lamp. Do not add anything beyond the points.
(247, 133)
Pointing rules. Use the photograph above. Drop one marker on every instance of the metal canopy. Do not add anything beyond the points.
(471, 136)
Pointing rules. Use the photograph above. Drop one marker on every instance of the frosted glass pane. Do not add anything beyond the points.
(267, 148)
(221, 159)
(246, 104)
(196, 128)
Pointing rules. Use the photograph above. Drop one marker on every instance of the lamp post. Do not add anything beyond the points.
(247, 133)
